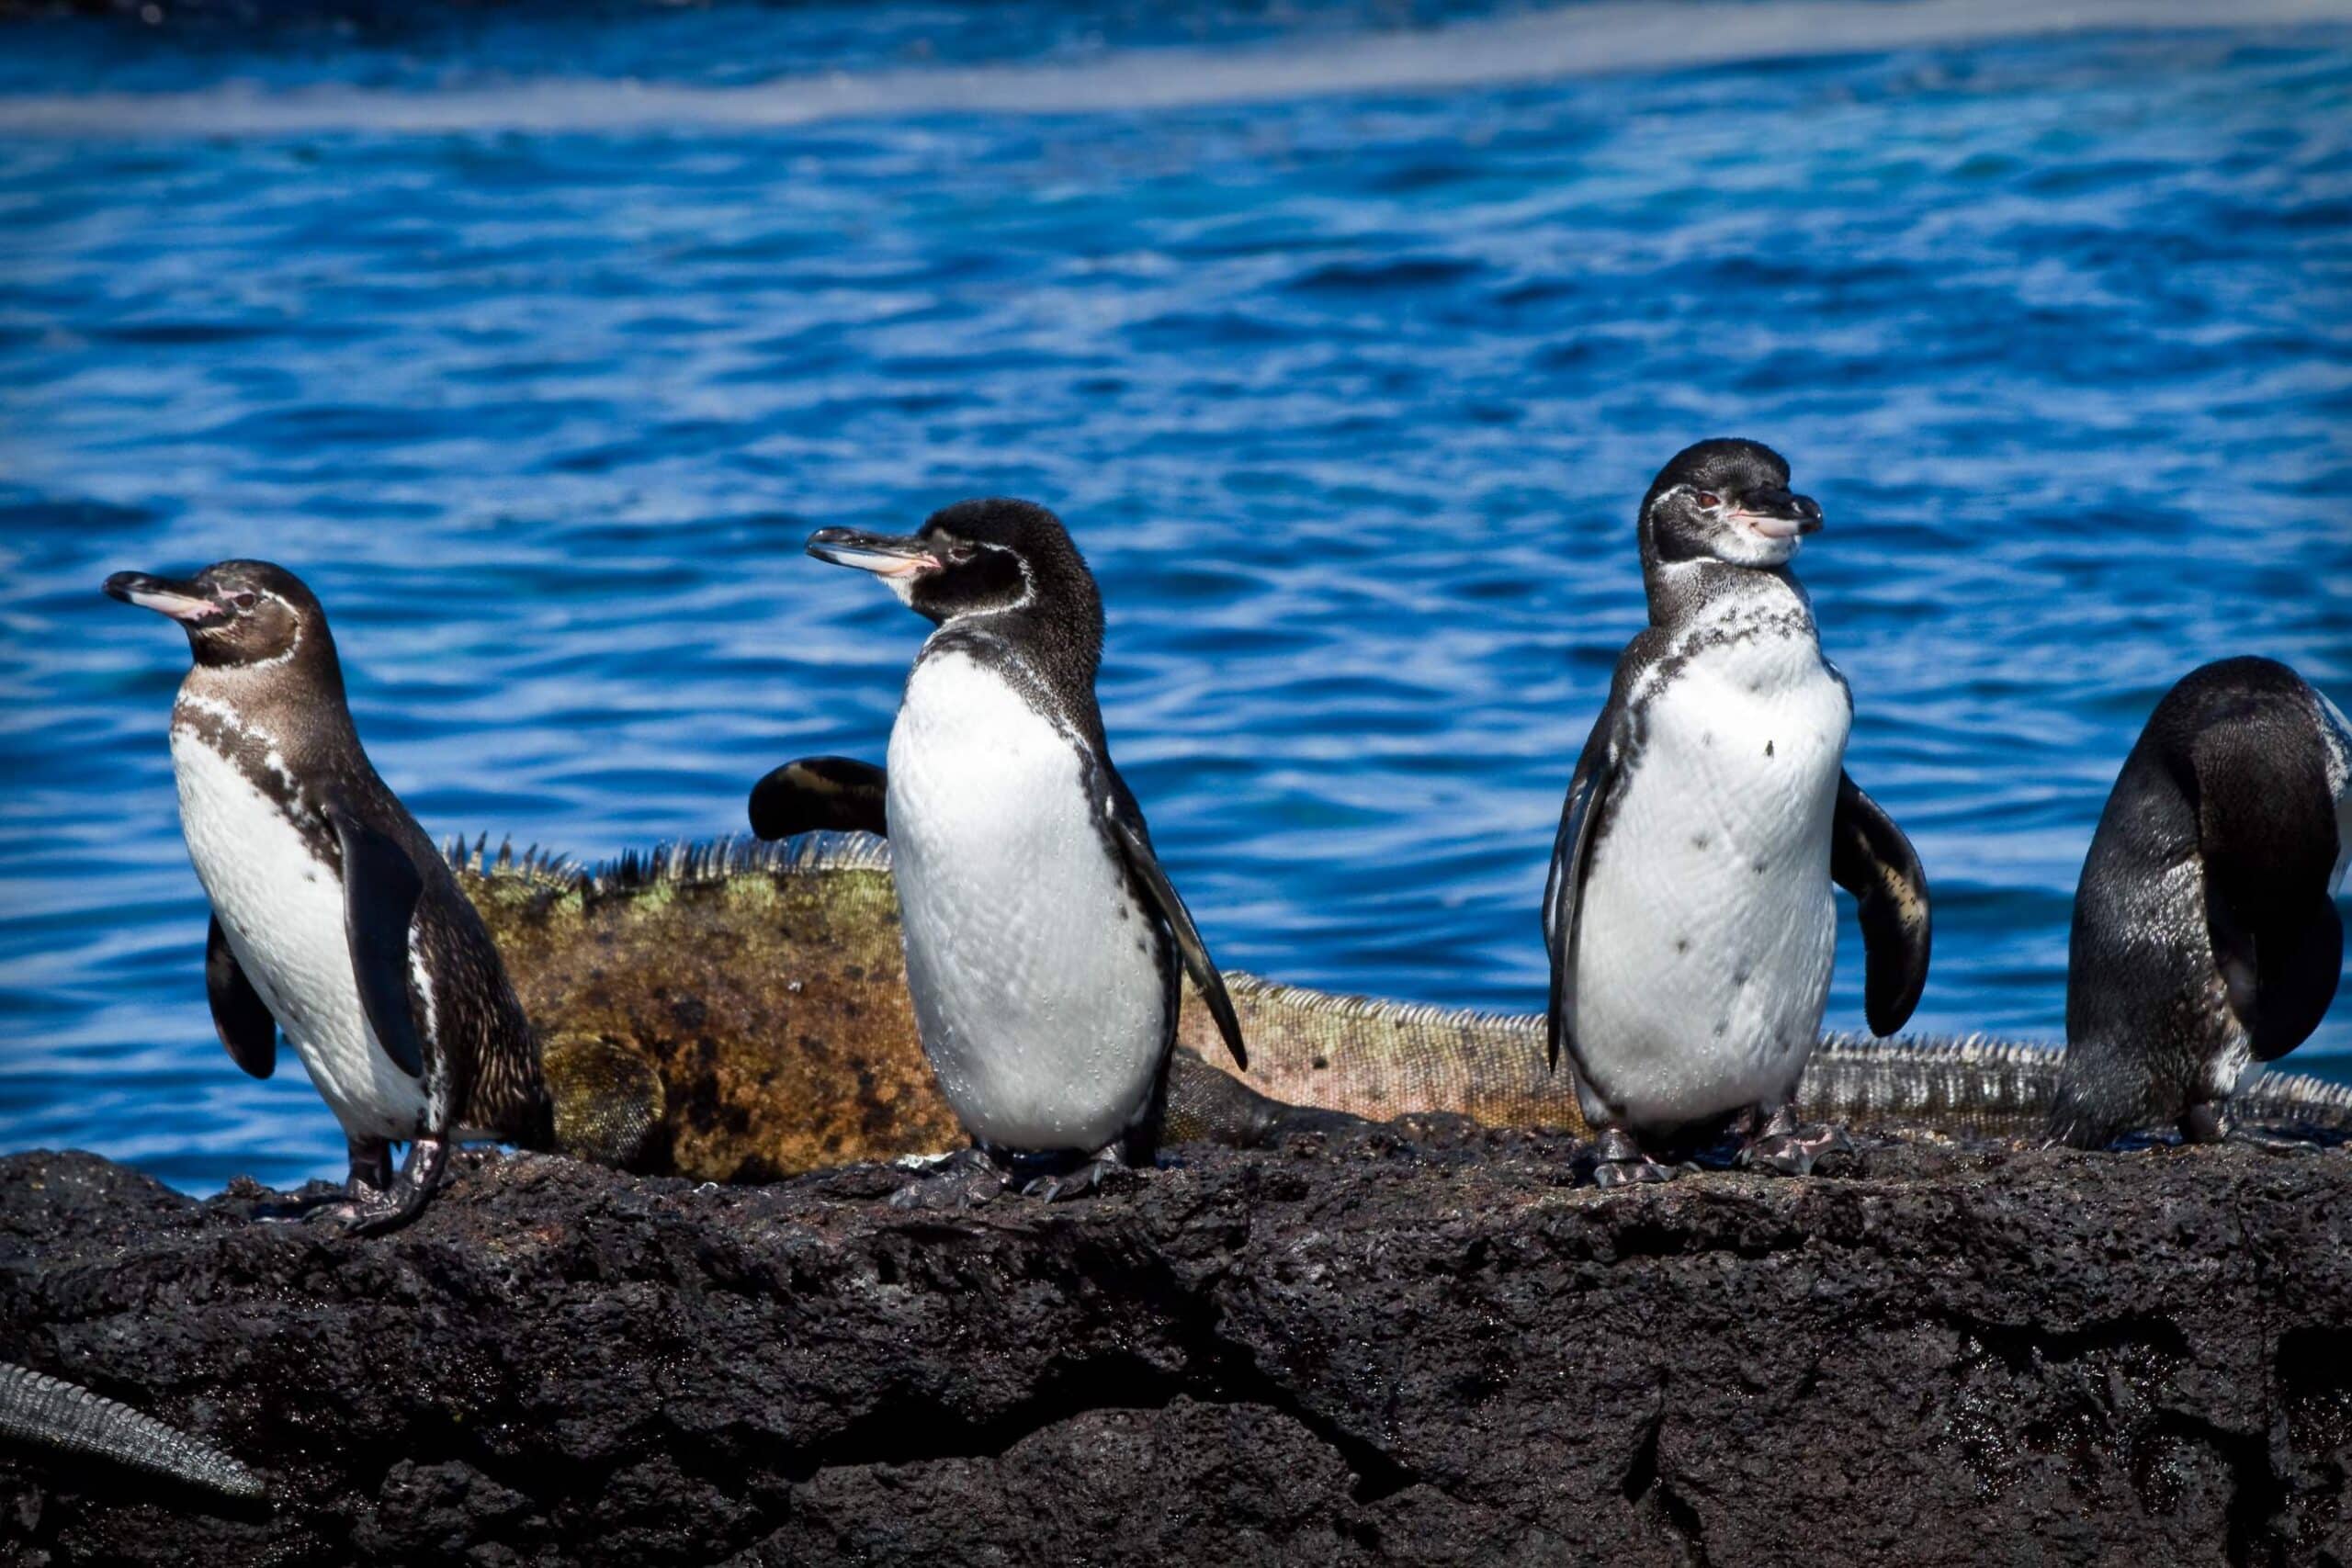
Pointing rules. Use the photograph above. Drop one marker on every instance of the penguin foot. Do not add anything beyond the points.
(420, 1175)
(329, 1203)
(1619, 1161)
(965, 1180)
(1784, 1147)
(310, 1207)
(1096, 1175)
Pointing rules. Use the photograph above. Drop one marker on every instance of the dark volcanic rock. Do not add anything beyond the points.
(1364, 1349)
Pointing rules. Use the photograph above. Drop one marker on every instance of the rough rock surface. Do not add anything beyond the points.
(1419, 1347)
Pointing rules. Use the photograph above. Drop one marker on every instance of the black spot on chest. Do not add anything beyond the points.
(257, 761)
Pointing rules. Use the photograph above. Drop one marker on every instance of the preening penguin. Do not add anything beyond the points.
(334, 917)
(1043, 939)
(2206, 938)
(1688, 914)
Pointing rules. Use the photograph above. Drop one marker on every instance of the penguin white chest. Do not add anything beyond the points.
(282, 908)
(1037, 979)
(1707, 926)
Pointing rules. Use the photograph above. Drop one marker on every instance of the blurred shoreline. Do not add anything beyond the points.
(1608, 36)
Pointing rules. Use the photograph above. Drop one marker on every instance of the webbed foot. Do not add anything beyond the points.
(370, 1177)
(965, 1180)
(1783, 1146)
(313, 1207)
(1618, 1161)
(1096, 1175)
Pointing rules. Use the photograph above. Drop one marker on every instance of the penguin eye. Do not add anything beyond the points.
(1707, 498)
(245, 599)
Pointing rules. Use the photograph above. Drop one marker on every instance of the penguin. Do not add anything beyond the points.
(1689, 916)
(333, 918)
(2206, 938)
(1043, 938)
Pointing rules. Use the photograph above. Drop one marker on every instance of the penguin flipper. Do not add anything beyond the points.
(1126, 828)
(1870, 858)
(2281, 977)
(2269, 835)
(380, 887)
(239, 1015)
(810, 793)
(1589, 788)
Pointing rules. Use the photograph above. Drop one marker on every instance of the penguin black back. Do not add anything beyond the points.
(2205, 937)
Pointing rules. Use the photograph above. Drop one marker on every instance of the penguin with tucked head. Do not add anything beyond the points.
(1044, 941)
(2206, 938)
(334, 917)
(1689, 916)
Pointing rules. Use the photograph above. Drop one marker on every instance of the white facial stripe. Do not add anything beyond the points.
(1028, 588)
(282, 655)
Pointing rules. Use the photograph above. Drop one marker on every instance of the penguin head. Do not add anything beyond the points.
(236, 613)
(978, 557)
(1725, 501)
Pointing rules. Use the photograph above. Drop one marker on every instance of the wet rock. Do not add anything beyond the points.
(1403, 1344)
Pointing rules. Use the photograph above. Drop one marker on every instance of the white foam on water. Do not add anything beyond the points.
(1609, 37)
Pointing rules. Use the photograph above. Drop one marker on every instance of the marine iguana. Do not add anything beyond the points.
(735, 1011)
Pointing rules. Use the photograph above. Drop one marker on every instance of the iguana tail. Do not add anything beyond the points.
(2005, 1088)
(64, 1417)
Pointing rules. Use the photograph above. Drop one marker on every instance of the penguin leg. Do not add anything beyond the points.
(1108, 1164)
(421, 1173)
(1784, 1146)
(2207, 1121)
(1618, 1161)
(371, 1168)
(965, 1180)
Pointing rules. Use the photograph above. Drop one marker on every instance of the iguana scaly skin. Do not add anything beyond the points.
(67, 1420)
(738, 1012)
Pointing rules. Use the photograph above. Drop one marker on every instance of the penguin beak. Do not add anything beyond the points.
(164, 595)
(1777, 514)
(885, 554)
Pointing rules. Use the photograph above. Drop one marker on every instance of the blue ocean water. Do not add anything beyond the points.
(1346, 338)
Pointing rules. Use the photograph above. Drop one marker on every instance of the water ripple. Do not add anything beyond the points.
(1348, 397)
